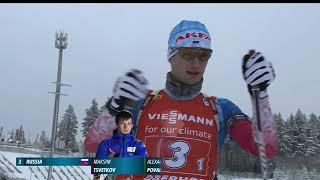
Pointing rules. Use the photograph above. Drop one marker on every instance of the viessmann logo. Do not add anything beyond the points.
(173, 116)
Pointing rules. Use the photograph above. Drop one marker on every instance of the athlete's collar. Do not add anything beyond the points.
(179, 91)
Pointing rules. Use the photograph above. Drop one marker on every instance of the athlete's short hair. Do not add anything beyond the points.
(123, 115)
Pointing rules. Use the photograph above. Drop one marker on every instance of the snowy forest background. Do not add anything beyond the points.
(299, 140)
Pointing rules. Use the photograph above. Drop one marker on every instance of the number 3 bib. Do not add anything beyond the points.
(181, 132)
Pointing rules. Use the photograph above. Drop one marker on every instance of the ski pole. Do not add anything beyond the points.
(260, 143)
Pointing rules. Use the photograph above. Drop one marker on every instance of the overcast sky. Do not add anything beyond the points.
(105, 40)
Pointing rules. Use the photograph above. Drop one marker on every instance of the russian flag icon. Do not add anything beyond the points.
(84, 161)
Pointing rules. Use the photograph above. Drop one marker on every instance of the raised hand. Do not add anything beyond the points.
(257, 71)
(128, 89)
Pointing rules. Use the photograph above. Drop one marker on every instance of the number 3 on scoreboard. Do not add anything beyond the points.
(180, 150)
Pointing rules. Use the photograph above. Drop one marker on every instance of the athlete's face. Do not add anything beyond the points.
(189, 64)
(125, 126)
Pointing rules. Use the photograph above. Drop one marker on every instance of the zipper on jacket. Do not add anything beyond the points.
(123, 140)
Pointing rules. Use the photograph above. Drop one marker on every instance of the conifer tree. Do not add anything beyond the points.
(67, 128)
(91, 115)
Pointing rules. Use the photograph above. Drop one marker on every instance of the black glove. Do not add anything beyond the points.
(128, 89)
(257, 71)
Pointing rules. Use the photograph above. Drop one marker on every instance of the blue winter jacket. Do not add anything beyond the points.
(124, 145)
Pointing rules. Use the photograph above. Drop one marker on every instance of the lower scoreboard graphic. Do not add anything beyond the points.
(129, 165)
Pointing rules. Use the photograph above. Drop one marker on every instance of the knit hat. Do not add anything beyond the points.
(188, 34)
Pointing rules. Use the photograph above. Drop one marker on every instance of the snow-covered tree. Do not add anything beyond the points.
(318, 137)
(47, 143)
(299, 133)
(36, 140)
(11, 134)
(91, 115)
(1, 130)
(19, 135)
(103, 107)
(312, 133)
(312, 147)
(314, 122)
(282, 133)
(29, 142)
(289, 137)
(67, 128)
(43, 138)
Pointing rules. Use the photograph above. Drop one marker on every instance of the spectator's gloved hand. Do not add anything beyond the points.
(128, 89)
(112, 153)
(257, 71)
